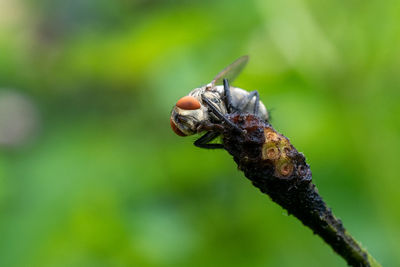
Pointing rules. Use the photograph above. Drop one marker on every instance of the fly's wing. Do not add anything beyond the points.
(232, 71)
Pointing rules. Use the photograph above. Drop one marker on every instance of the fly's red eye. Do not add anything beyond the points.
(188, 103)
(175, 129)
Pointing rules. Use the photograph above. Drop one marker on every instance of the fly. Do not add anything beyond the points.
(211, 103)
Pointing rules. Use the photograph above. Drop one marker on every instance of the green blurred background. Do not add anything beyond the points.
(92, 175)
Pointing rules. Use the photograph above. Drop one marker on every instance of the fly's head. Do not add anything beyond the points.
(187, 115)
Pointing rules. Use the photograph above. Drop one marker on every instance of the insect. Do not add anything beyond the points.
(211, 103)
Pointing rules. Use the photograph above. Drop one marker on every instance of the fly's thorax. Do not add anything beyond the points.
(239, 98)
(215, 96)
(197, 92)
(216, 100)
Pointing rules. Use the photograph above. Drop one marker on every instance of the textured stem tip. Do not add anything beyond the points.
(271, 162)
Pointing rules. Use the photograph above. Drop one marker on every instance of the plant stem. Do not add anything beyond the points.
(274, 166)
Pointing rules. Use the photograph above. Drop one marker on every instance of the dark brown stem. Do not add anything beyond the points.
(274, 166)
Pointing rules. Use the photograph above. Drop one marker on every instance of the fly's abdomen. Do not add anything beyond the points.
(243, 102)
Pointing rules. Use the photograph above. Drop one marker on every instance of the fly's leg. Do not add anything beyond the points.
(228, 96)
(203, 142)
(244, 103)
(210, 127)
(219, 115)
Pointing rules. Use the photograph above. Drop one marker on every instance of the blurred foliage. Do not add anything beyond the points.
(97, 177)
